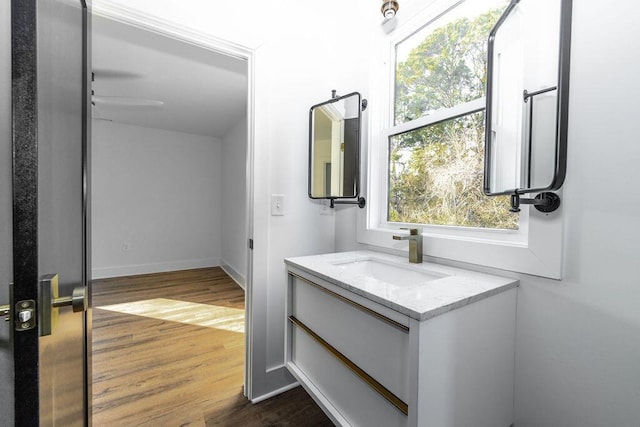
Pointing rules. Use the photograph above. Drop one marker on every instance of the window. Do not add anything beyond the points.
(436, 142)
(425, 150)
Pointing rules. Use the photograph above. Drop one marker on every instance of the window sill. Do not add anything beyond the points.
(539, 255)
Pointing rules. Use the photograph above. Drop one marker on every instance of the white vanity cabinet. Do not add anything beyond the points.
(368, 363)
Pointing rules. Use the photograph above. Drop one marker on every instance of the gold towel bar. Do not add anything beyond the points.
(382, 390)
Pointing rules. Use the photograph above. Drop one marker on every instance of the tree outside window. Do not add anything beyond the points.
(436, 171)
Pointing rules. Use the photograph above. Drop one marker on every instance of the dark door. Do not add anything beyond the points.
(50, 99)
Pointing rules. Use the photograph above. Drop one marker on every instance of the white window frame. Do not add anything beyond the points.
(535, 248)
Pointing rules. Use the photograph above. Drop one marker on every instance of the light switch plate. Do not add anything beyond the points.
(277, 204)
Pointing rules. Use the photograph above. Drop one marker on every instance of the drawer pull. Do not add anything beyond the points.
(361, 307)
(382, 390)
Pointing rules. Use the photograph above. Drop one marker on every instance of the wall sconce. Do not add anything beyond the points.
(389, 8)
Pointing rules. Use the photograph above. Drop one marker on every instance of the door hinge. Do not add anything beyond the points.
(250, 243)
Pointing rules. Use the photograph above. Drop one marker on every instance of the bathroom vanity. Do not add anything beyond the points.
(377, 341)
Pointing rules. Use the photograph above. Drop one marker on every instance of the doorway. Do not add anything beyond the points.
(169, 223)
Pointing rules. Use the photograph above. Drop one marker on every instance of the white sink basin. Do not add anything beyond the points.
(389, 272)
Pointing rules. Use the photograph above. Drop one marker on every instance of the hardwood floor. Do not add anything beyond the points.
(161, 358)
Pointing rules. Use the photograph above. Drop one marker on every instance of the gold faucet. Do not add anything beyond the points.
(415, 243)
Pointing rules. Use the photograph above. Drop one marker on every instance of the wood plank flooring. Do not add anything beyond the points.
(161, 359)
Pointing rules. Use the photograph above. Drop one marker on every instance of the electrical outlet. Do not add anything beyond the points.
(126, 246)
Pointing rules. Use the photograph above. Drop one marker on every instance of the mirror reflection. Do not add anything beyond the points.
(334, 148)
(524, 88)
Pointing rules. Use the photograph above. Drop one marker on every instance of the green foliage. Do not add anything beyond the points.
(436, 172)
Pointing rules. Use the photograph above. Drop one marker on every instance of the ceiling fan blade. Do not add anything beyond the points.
(115, 74)
(123, 101)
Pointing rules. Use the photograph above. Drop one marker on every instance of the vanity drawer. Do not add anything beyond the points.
(374, 343)
(347, 399)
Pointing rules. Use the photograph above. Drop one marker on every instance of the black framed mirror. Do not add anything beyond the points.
(334, 149)
(528, 102)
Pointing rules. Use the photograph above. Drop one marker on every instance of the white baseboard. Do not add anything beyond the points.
(233, 273)
(276, 368)
(160, 267)
(275, 392)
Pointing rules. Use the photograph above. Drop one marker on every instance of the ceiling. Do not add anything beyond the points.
(204, 92)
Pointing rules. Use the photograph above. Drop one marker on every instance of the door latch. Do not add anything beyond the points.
(24, 314)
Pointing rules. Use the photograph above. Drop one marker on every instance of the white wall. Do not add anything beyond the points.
(578, 345)
(578, 341)
(320, 50)
(6, 203)
(234, 202)
(157, 191)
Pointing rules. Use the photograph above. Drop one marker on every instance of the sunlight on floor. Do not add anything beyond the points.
(211, 316)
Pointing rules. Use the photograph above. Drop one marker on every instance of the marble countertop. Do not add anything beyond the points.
(447, 289)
